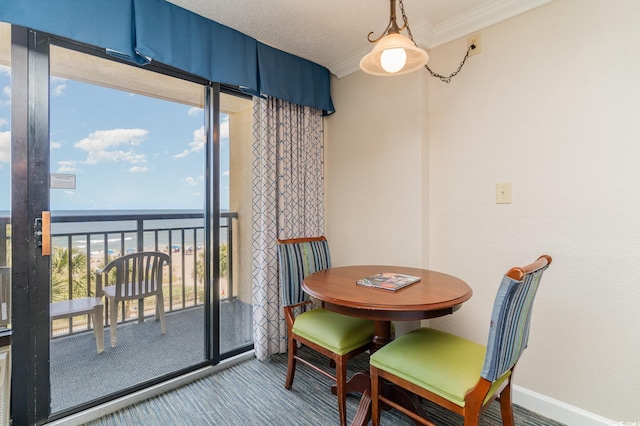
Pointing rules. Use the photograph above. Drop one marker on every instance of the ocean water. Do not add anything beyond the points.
(115, 232)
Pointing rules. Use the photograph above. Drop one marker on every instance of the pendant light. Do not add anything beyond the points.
(394, 53)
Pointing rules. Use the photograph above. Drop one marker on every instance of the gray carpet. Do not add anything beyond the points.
(252, 393)
(79, 374)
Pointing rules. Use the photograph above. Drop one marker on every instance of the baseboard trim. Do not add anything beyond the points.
(557, 410)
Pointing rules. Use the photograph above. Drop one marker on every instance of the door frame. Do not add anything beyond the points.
(29, 198)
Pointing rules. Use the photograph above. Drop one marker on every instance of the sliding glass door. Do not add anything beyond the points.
(127, 174)
(110, 160)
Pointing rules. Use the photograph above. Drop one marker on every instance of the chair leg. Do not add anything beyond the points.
(291, 362)
(113, 323)
(506, 407)
(375, 401)
(160, 312)
(341, 381)
(98, 328)
(472, 416)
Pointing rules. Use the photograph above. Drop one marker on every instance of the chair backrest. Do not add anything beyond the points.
(298, 258)
(136, 274)
(5, 296)
(511, 317)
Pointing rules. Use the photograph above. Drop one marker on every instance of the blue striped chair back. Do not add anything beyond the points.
(298, 259)
(510, 319)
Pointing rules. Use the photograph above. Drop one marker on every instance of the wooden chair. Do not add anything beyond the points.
(458, 374)
(338, 337)
(137, 276)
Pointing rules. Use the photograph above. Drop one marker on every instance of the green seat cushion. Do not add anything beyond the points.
(439, 362)
(338, 333)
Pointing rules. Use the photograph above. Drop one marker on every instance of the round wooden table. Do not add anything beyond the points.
(435, 295)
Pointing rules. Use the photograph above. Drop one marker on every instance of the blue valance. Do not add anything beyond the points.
(289, 76)
(95, 22)
(144, 30)
(190, 42)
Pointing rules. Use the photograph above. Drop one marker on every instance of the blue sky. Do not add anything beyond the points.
(126, 151)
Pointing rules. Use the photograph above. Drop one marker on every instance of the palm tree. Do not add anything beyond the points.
(224, 264)
(61, 258)
(8, 244)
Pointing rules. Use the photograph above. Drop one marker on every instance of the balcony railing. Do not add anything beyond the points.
(84, 241)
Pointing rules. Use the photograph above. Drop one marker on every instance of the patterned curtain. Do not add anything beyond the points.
(288, 202)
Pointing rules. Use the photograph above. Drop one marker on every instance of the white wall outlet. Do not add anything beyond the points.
(474, 40)
(503, 193)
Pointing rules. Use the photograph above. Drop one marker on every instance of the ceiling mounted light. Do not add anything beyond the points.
(396, 53)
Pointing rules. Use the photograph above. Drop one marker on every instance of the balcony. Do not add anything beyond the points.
(83, 243)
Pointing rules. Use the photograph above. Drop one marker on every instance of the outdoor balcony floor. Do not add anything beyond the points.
(79, 374)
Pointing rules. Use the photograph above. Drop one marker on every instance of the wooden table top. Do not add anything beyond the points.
(436, 294)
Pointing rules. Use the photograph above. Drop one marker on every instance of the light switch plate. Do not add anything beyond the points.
(503, 193)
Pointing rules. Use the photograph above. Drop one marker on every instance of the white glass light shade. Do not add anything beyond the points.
(415, 57)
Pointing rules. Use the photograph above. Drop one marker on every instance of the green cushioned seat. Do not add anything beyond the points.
(440, 362)
(339, 333)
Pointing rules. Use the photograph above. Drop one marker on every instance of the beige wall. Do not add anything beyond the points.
(240, 125)
(552, 105)
(375, 191)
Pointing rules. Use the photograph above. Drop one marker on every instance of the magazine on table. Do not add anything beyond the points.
(388, 281)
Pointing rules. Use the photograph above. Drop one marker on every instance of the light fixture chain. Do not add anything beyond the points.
(448, 79)
(433, 74)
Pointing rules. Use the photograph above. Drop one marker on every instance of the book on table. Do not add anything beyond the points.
(388, 281)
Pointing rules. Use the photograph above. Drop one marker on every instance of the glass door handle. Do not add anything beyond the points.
(42, 233)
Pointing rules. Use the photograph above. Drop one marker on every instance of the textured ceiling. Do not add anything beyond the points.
(333, 33)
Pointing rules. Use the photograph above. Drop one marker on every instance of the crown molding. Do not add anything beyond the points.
(428, 36)
(348, 65)
(481, 17)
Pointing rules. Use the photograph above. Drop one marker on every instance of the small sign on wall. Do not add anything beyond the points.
(62, 181)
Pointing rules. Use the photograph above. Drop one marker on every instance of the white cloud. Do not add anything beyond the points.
(3, 122)
(139, 169)
(58, 86)
(55, 145)
(190, 181)
(96, 157)
(225, 173)
(5, 147)
(196, 145)
(101, 145)
(58, 89)
(224, 129)
(67, 166)
(6, 91)
(194, 111)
